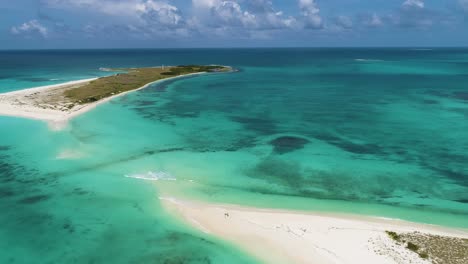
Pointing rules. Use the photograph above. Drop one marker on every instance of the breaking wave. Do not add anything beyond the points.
(367, 60)
(69, 154)
(153, 176)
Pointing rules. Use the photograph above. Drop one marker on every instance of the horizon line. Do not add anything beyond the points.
(240, 47)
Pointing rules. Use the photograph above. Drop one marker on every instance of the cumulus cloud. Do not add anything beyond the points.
(370, 20)
(157, 11)
(30, 27)
(247, 17)
(413, 13)
(413, 4)
(127, 17)
(251, 15)
(232, 18)
(110, 7)
(311, 14)
(375, 21)
(161, 14)
(230, 13)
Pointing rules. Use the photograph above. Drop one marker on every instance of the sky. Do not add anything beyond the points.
(58, 24)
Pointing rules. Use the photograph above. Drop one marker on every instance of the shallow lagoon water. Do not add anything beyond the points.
(375, 132)
(73, 208)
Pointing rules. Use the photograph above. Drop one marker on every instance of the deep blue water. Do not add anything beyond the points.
(24, 69)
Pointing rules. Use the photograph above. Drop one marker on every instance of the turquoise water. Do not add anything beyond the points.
(369, 131)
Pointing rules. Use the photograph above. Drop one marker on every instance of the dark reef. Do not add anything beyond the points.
(287, 144)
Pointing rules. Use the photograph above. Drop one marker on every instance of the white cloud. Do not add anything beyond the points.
(344, 22)
(230, 18)
(414, 14)
(145, 15)
(30, 27)
(207, 15)
(231, 13)
(413, 4)
(202, 4)
(463, 4)
(374, 21)
(251, 15)
(166, 13)
(160, 14)
(311, 14)
(370, 20)
(110, 7)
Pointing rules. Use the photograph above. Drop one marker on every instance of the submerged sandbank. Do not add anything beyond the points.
(280, 236)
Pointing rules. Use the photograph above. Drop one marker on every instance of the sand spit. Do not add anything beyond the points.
(280, 236)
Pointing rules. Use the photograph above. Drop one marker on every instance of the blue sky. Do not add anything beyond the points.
(41, 24)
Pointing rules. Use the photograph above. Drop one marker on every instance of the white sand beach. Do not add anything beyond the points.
(280, 236)
(27, 103)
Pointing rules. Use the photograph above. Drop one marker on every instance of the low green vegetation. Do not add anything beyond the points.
(413, 247)
(437, 249)
(393, 235)
(423, 255)
(187, 69)
(131, 80)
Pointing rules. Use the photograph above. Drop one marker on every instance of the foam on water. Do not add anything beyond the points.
(368, 60)
(69, 154)
(153, 176)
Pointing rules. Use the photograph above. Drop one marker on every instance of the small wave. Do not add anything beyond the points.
(54, 79)
(105, 69)
(69, 154)
(422, 49)
(153, 176)
(367, 60)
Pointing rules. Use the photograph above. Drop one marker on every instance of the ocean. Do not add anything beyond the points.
(378, 132)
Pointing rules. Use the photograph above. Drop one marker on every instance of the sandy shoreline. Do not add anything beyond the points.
(280, 236)
(21, 103)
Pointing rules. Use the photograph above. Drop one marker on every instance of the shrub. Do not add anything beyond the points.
(393, 235)
(412, 246)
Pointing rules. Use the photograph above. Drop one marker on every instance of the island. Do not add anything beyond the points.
(58, 103)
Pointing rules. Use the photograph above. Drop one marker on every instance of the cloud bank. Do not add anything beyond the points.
(162, 19)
